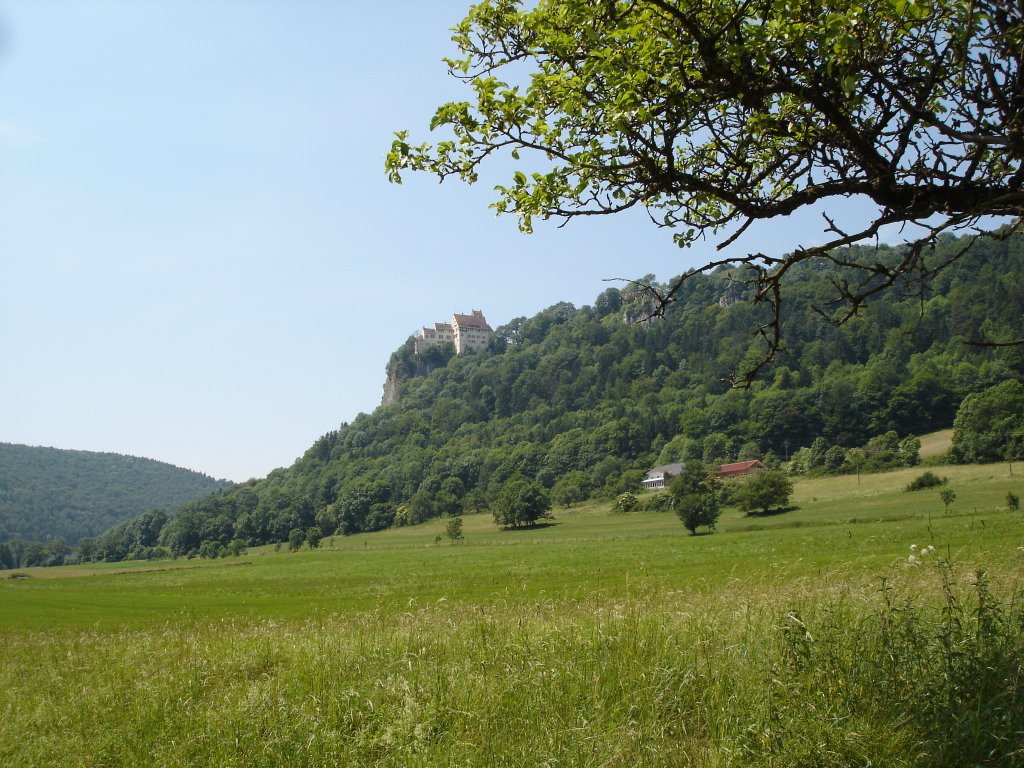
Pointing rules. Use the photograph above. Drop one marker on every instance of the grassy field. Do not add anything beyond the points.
(935, 444)
(801, 638)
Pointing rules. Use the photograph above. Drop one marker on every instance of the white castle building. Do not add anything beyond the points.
(466, 332)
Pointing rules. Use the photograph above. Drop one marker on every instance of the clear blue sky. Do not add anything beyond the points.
(201, 260)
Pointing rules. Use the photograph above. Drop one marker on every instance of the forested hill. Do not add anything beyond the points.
(583, 400)
(50, 493)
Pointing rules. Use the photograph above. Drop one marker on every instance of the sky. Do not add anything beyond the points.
(201, 259)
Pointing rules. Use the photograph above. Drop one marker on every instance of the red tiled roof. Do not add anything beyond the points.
(740, 466)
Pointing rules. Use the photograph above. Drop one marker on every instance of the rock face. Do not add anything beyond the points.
(390, 390)
(415, 365)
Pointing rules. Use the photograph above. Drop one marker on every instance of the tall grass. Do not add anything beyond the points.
(922, 668)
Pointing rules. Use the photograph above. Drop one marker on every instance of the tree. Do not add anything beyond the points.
(910, 451)
(819, 448)
(717, 448)
(571, 488)
(695, 510)
(296, 537)
(237, 547)
(181, 534)
(210, 549)
(8, 557)
(834, 459)
(453, 530)
(86, 549)
(948, 496)
(763, 492)
(57, 551)
(695, 496)
(989, 425)
(520, 503)
(475, 501)
(716, 115)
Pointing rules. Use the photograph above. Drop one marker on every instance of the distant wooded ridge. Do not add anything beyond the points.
(48, 493)
(581, 401)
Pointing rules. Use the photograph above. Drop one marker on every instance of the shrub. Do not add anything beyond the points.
(927, 480)
(210, 549)
(656, 502)
(626, 502)
(1012, 500)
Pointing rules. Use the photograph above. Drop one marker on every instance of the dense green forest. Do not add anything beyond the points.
(48, 493)
(583, 400)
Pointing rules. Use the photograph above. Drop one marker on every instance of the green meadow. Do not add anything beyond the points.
(801, 638)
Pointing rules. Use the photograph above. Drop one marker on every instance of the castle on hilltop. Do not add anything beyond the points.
(466, 332)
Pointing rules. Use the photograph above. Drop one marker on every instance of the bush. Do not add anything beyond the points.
(237, 547)
(656, 502)
(927, 480)
(210, 549)
(627, 502)
(1012, 500)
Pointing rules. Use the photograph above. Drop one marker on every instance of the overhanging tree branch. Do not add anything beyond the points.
(718, 114)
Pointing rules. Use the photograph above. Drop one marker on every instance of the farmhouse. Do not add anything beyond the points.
(659, 476)
(739, 469)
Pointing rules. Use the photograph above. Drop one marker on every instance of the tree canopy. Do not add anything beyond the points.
(695, 496)
(989, 425)
(715, 114)
(49, 492)
(521, 503)
(582, 402)
(762, 492)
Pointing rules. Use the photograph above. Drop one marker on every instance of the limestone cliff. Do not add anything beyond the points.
(406, 363)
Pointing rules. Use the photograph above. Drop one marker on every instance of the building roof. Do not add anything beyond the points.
(475, 320)
(438, 328)
(665, 469)
(739, 466)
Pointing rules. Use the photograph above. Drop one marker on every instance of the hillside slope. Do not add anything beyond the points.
(48, 492)
(583, 400)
